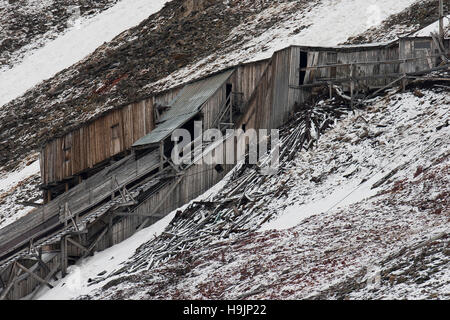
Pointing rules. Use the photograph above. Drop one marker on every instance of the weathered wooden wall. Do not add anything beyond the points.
(99, 140)
(26, 284)
(247, 77)
(257, 110)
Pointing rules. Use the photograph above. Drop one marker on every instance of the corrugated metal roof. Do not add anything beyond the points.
(184, 107)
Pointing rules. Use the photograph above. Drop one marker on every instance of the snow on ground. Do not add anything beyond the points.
(342, 229)
(368, 165)
(16, 187)
(326, 24)
(11, 179)
(74, 45)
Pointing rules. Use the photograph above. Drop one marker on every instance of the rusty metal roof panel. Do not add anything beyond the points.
(184, 107)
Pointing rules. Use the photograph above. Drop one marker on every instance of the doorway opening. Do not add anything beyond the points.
(303, 65)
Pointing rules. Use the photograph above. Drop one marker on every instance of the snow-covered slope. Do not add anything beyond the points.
(321, 23)
(344, 216)
(29, 24)
(17, 187)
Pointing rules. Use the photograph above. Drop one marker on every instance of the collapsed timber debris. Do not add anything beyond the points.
(238, 208)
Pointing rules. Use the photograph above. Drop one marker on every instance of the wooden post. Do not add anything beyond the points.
(231, 108)
(64, 262)
(330, 85)
(110, 231)
(352, 84)
(2, 283)
(35, 276)
(161, 154)
(441, 20)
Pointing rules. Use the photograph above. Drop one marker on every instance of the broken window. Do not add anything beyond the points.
(422, 45)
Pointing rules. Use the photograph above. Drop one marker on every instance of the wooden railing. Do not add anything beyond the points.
(81, 198)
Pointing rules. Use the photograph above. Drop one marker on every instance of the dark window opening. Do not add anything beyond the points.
(243, 127)
(303, 65)
(115, 132)
(219, 168)
(229, 89)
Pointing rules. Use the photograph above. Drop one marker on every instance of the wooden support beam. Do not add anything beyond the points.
(161, 154)
(77, 233)
(5, 291)
(176, 183)
(51, 274)
(47, 269)
(64, 261)
(35, 276)
(2, 283)
(134, 214)
(441, 20)
(13, 274)
(92, 246)
(11, 281)
(110, 231)
(78, 245)
(30, 204)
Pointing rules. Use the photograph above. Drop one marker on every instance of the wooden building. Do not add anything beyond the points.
(257, 95)
(68, 160)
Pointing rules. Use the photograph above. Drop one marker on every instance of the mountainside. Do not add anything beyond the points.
(29, 24)
(364, 214)
(361, 212)
(202, 38)
(183, 41)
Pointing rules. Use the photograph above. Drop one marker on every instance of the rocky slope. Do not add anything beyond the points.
(418, 16)
(28, 24)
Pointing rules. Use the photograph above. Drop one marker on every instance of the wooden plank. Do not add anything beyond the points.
(51, 274)
(64, 262)
(36, 277)
(76, 244)
(92, 246)
(5, 291)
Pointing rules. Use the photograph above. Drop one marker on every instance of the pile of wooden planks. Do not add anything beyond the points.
(239, 208)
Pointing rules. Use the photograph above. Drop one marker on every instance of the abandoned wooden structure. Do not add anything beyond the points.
(113, 176)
